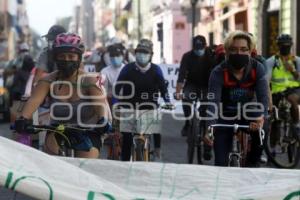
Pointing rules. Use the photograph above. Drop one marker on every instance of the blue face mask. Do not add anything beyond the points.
(142, 58)
(199, 52)
(116, 61)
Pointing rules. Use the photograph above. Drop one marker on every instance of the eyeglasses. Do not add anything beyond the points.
(242, 50)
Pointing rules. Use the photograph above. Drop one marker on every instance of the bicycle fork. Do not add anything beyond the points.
(235, 152)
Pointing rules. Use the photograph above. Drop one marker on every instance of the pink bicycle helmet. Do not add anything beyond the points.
(68, 42)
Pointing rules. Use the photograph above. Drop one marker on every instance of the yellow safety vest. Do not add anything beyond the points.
(283, 79)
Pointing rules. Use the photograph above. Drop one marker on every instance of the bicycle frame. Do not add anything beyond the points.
(146, 141)
(282, 146)
(237, 149)
(61, 130)
(142, 128)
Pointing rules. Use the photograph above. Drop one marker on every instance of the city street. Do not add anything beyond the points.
(232, 56)
(173, 146)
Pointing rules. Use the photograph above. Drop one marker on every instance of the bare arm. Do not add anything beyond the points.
(98, 91)
(39, 94)
(179, 87)
(181, 76)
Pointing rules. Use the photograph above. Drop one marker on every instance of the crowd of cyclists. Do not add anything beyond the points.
(229, 76)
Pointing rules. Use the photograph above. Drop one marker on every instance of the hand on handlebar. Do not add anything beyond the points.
(178, 96)
(104, 126)
(22, 124)
(257, 124)
(168, 106)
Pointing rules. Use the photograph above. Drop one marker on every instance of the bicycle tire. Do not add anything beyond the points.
(199, 154)
(200, 148)
(191, 138)
(293, 147)
(234, 162)
(244, 143)
(139, 150)
(146, 155)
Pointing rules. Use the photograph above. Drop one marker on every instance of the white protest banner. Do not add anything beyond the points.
(42, 176)
(170, 72)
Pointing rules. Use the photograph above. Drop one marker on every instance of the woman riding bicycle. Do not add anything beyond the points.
(234, 84)
(76, 98)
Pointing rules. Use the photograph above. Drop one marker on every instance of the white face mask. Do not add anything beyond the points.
(116, 61)
(143, 58)
(199, 52)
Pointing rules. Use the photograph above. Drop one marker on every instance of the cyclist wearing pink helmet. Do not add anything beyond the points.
(69, 88)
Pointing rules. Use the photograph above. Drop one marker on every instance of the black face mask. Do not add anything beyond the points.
(67, 68)
(238, 61)
(285, 50)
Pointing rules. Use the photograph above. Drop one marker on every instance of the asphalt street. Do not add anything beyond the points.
(174, 148)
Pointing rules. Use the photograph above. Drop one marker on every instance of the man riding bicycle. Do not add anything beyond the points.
(284, 76)
(194, 71)
(147, 82)
(236, 82)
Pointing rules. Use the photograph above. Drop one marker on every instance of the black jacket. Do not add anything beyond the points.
(195, 70)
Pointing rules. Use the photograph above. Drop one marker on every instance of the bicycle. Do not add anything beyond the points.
(240, 144)
(70, 137)
(283, 146)
(195, 136)
(142, 124)
(113, 143)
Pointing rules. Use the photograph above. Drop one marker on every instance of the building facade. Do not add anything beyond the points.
(171, 33)
(278, 16)
(14, 28)
(265, 19)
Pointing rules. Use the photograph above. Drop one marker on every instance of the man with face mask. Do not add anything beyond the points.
(148, 81)
(112, 71)
(238, 85)
(194, 71)
(284, 76)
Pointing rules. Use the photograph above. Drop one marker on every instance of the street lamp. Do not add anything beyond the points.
(193, 3)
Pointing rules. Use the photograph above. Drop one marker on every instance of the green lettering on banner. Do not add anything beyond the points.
(13, 187)
(91, 195)
(291, 195)
(8, 179)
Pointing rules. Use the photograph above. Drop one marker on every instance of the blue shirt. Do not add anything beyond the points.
(144, 88)
(232, 97)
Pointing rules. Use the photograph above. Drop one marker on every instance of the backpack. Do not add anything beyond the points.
(232, 83)
(276, 62)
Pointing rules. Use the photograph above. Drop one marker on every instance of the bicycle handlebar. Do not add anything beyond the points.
(34, 129)
(235, 129)
(167, 107)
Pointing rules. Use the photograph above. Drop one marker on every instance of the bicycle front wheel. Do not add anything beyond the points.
(284, 150)
(199, 143)
(191, 140)
(138, 151)
(234, 161)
